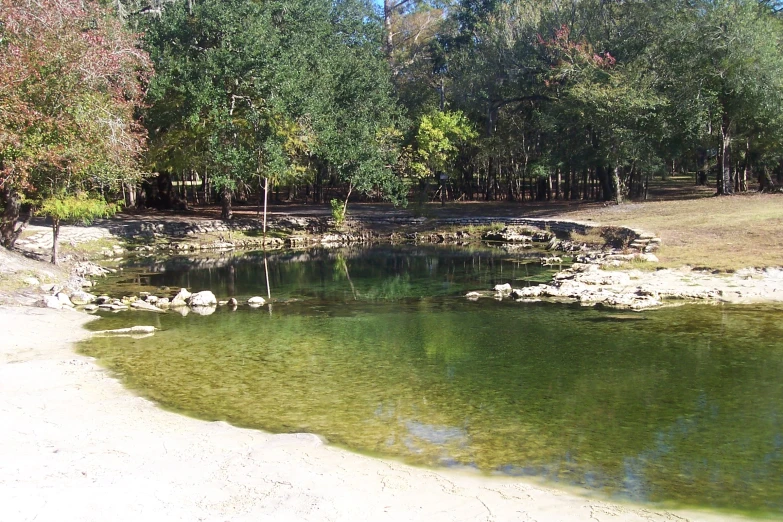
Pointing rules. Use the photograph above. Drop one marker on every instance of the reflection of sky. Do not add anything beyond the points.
(439, 435)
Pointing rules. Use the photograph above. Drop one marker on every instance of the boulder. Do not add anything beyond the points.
(178, 303)
(232, 302)
(205, 298)
(51, 301)
(183, 295)
(143, 305)
(31, 281)
(256, 301)
(80, 297)
(152, 299)
(203, 310)
(90, 308)
(505, 288)
(64, 300)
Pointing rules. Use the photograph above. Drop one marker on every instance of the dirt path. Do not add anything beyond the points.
(77, 446)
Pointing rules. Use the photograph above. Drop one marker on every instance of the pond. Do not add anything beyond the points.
(378, 351)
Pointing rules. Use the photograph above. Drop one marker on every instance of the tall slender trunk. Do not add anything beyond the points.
(266, 195)
(55, 236)
(724, 159)
(617, 187)
(388, 7)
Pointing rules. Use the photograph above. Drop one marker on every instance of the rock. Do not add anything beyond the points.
(551, 260)
(31, 281)
(205, 298)
(133, 330)
(143, 305)
(64, 300)
(527, 292)
(505, 288)
(648, 258)
(163, 302)
(508, 235)
(118, 307)
(232, 302)
(81, 297)
(102, 299)
(51, 301)
(473, 295)
(49, 287)
(152, 299)
(203, 310)
(178, 303)
(257, 301)
(90, 308)
(222, 303)
(183, 295)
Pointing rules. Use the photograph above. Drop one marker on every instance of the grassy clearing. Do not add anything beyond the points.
(723, 233)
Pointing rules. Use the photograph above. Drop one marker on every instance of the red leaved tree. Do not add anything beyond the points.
(71, 79)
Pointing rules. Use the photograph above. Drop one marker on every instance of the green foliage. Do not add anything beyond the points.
(80, 208)
(438, 139)
(338, 212)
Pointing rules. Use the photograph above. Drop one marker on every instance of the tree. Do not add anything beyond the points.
(81, 208)
(71, 79)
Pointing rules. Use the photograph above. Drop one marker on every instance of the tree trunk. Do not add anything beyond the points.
(724, 159)
(226, 212)
(55, 236)
(9, 226)
(388, 7)
(617, 186)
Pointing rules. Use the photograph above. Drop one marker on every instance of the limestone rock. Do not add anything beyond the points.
(203, 310)
(51, 301)
(31, 281)
(81, 297)
(257, 301)
(505, 288)
(183, 295)
(143, 305)
(232, 302)
(64, 300)
(90, 308)
(205, 298)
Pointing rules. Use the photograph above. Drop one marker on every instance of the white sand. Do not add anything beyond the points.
(76, 446)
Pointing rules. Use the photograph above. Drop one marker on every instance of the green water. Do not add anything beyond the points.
(377, 351)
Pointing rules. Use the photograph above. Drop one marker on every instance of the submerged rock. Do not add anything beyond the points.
(143, 305)
(257, 301)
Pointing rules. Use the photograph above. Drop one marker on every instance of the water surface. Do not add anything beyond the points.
(379, 352)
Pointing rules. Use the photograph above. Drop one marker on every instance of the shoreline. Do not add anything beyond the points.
(78, 445)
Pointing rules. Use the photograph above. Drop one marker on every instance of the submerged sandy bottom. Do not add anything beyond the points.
(76, 446)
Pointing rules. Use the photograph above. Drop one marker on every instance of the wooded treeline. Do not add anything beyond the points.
(166, 103)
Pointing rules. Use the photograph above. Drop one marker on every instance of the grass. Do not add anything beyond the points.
(722, 233)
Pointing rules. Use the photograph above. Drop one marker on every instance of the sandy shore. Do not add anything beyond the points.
(76, 446)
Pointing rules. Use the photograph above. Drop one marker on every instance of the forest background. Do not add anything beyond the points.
(166, 104)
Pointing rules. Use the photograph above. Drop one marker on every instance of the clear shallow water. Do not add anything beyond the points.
(682, 405)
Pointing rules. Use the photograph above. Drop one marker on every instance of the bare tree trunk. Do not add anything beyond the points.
(55, 236)
(617, 187)
(266, 195)
(724, 159)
